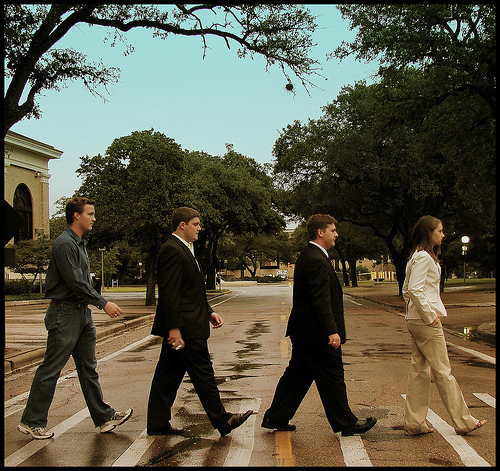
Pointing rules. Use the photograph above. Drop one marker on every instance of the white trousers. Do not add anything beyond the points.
(429, 353)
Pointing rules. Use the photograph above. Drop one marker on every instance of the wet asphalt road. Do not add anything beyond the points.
(249, 354)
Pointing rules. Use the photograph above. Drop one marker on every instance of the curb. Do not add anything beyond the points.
(487, 330)
(34, 357)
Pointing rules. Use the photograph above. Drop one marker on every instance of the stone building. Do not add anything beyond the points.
(26, 182)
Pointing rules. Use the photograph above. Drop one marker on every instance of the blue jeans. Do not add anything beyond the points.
(71, 331)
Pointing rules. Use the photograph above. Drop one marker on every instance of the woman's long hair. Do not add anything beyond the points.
(420, 236)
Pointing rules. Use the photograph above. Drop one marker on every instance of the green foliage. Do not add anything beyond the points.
(421, 141)
(11, 287)
(232, 193)
(253, 250)
(136, 185)
(144, 177)
(32, 258)
(368, 162)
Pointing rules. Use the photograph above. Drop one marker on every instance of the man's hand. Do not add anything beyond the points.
(216, 320)
(175, 339)
(112, 309)
(435, 321)
(334, 340)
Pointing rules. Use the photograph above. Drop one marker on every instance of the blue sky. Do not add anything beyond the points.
(200, 103)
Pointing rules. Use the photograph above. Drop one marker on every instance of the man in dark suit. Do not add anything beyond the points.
(316, 329)
(183, 318)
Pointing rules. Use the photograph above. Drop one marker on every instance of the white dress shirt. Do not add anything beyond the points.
(189, 245)
(421, 288)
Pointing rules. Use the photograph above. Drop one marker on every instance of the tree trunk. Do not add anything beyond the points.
(151, 277)
(352, 269)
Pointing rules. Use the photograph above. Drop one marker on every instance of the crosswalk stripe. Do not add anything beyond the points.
(35, 445)
(134, 452)
(491, 401)
(242, 438)
(467, 454)
(475, 353)
(354, 451)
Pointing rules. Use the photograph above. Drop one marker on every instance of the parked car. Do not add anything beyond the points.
(282, 275)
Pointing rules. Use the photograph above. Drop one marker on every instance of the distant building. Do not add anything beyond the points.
(26, 182)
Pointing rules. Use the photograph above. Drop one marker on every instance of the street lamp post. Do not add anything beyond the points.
(465, 241)
(102, 265)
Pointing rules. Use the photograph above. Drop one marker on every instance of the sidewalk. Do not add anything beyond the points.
(25, 333)
(469, 306)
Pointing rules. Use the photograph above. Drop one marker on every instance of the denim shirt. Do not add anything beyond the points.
(68, 275)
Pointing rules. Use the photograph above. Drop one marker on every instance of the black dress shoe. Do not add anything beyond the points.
(266, 423)
(235, 421)
(361, 426)
(166, 431)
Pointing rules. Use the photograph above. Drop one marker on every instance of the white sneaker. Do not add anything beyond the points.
(40, 433)
(116, 419)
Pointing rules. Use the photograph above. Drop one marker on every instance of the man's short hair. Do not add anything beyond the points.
(183, 214)
(316, 222)
(75, 205)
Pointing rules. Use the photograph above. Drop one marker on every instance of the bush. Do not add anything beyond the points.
(14, 287)
(20, 287)
(268, 279)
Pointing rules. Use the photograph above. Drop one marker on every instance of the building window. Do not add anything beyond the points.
(23, 205)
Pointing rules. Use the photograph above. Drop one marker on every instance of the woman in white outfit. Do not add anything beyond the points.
(429, 352)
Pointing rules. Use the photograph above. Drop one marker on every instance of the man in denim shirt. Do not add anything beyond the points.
(70, 327)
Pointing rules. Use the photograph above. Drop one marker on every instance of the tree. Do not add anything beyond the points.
(368, 162)
(249, 251)
(137, 185)
(422, 141)
(355, 243)
(232, 193)
(32, 257)
(458, 41)
(33, 62)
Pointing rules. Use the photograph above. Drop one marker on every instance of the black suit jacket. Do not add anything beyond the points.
(182, 299)
(318, 309)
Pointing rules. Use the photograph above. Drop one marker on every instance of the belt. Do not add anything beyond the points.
(58, 302)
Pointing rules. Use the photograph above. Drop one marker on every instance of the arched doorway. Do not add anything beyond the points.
(24, 206)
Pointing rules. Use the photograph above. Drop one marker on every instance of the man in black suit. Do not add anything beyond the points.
(316, 329)
(183, 318)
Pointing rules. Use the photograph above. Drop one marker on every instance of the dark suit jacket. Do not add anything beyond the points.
(318, 309)
(182, 299)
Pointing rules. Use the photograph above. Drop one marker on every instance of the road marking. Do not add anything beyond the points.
(242, 438)
(354, 451)
(228, 299)
(9, 405)
(480, 355)
(354, 302)
(284, 348)
(134, 452)
(35, 445)
(284, 454)
(126, 349)
(491, 401)
(467, 454)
